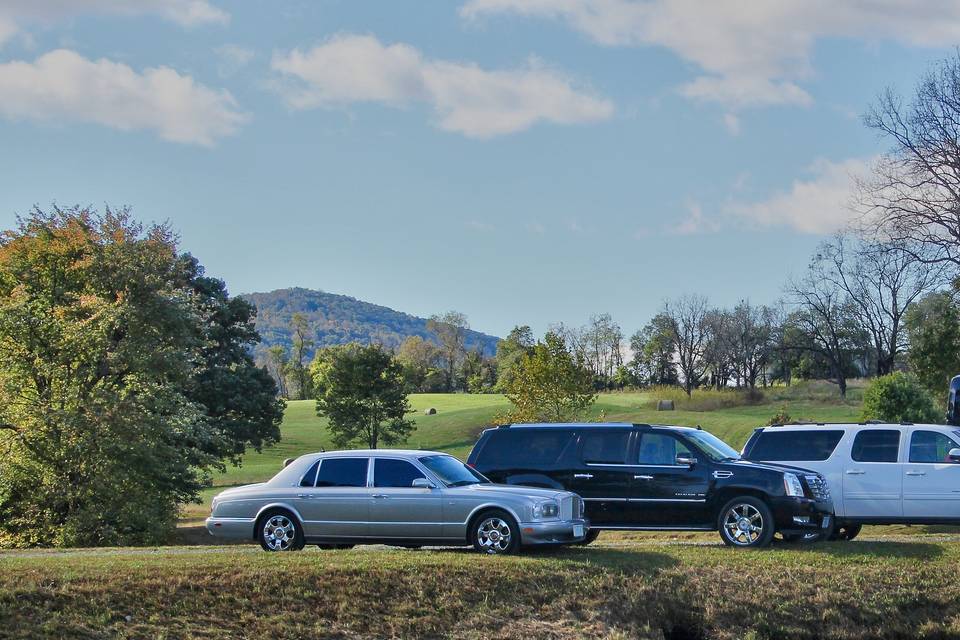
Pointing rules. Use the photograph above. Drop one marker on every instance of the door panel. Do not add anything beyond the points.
(602, 477)
(664, 493)
(931, 486)
(873, 478)
(398, 510)
(340, 503)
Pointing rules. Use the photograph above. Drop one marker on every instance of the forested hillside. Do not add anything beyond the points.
(337, 319)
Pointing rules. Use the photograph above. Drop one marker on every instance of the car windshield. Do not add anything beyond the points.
(715, 448)
(452, 472)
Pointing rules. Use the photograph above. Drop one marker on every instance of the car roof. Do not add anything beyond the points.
(352, 453)
(592, 425)
(873, 424)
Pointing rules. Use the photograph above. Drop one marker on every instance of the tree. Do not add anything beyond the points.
(933, 328)
(278, 364)
(510, 350)
(899, 397)
(879, 280)
(689, 331)
(751, 335)
(302, 343)
(479, 373)
(550, 384)
(826, 323)
(913, 195)
(125, 380)
(360, 390)
(420, 361)
(653, 351)
(451, 332)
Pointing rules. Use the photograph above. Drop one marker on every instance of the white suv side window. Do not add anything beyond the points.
(930, 446)
(876, 445)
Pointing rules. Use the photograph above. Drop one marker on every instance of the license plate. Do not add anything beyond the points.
(578, 531)
(826, 522)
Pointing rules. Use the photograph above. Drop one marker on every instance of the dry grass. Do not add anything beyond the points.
(884, 589)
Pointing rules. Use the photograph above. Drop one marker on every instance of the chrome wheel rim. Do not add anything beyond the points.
(743, 524)
(494, 535)
(279, 533)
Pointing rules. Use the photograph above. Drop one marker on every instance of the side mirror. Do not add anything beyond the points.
(686, 461)
(953, 455)
(421, 483)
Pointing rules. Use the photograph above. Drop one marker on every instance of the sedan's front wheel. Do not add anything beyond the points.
(495, 532)
(280, 531)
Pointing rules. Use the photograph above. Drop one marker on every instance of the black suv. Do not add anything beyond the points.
(640, 476)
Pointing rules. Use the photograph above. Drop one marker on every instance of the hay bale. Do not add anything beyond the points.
(430, 412)
(664, 405)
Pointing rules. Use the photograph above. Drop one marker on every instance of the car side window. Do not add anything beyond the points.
(930, 446)
(394, 473)
(605, 447)
(342, 472)
(660, 449)
(309, 479)
(876, 445)
(794, 445)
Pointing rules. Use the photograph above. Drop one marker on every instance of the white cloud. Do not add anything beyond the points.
(14, 14)
(732, 122)
(751, 52)
(63, 86)
(694, 223)
(466, 99)
(818, 205)
(232, 58)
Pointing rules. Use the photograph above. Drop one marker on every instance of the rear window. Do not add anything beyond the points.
(342, 472)
(876, 445)
(793, 446)
(524, 448)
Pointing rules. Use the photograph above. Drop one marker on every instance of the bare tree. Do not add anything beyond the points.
(914, 192)
(689, 330)
(826, 323)
(451, 332)
(751, 336)
(879, 280)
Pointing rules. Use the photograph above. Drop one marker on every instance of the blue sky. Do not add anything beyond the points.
(522, 161)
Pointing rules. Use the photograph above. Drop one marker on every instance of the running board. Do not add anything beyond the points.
(606, 528)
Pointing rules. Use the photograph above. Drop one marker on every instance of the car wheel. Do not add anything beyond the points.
(327, 547)
(280, 531)
(846, 531)
(591, 537)
(746, 522)
(495, 532)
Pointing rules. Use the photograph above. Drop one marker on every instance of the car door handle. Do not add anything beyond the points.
(855, 472)
(643, 477)
(916, 473)
(585, 476)
(381, 496)
(304, 495)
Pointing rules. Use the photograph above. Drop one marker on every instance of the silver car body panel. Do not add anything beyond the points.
(437, 514)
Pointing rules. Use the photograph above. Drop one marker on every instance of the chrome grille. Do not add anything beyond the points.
(571, 508)
(818, 487)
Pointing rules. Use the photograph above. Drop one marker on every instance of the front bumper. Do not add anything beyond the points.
(234, 528)
(554, 531)
(793, 515)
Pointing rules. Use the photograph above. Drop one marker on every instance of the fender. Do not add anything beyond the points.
(493, 505)
(278, 505)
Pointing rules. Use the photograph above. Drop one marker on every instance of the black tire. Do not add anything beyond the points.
(746, 523)
(495, 532)
(279, 530)
(592, 536)
(801, 538)
(846, 531)
(328, 547)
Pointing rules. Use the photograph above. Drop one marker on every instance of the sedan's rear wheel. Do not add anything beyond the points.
(495, 532)
(280, 531)
(746, 522)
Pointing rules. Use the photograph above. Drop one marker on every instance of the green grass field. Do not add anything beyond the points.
(893, 588)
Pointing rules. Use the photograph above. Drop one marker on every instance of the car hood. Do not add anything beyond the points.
(513, 490)
(766, 466)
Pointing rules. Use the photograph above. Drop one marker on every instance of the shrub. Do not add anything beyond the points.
(780, 417)
(898, 397)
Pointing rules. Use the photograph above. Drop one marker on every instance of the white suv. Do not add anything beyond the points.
(878, 473)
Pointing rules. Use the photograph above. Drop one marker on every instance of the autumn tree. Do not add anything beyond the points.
(125, 380)
(450, 330)
(550, 384)
(360, 390)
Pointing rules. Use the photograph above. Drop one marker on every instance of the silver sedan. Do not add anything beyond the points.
(405, 498)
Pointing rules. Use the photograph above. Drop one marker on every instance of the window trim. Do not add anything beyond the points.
(910, 446)
(853, 444)
(369, 472)
(373, 473)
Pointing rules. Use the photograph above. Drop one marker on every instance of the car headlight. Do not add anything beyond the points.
(548, 509)
(791, 484)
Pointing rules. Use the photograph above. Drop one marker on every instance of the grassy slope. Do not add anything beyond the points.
(878, 589)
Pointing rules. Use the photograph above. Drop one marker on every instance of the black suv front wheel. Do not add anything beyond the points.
(746, 522)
